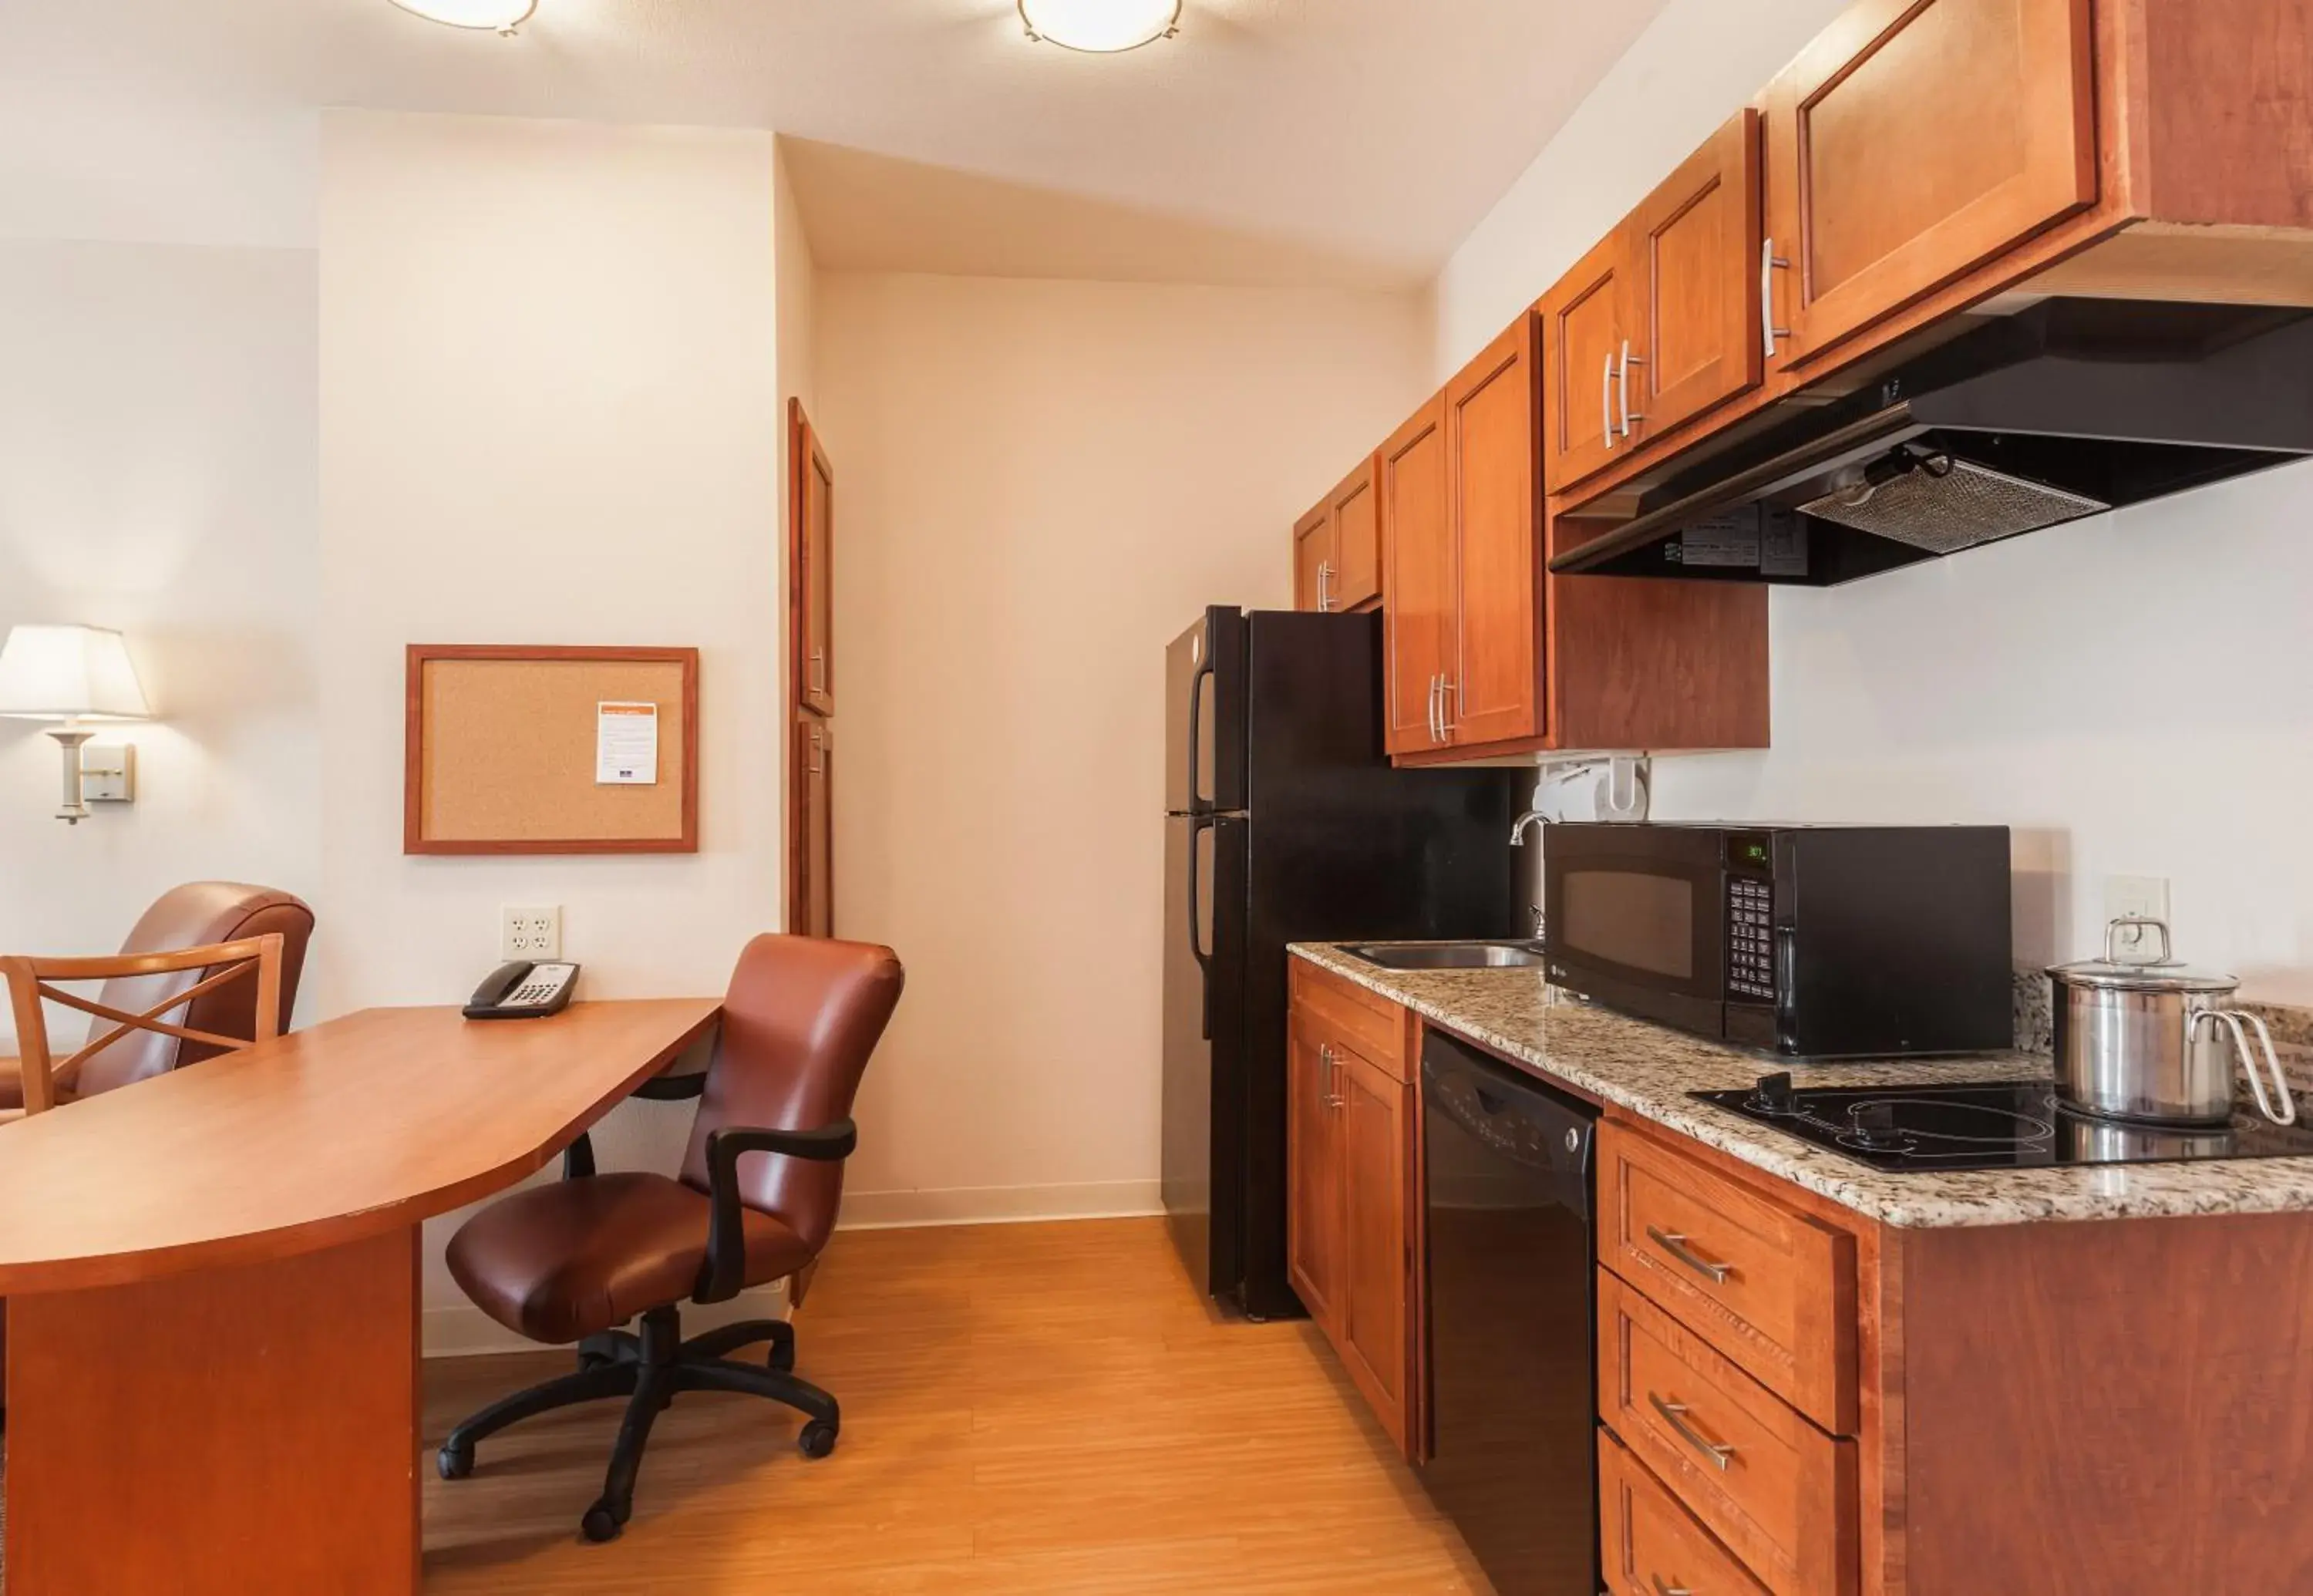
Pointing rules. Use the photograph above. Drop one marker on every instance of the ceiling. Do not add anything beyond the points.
(1346, 141)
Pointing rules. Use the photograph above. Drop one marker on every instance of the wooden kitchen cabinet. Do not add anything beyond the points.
(812, 860)
(1418, 623)
(1912, 142)
(1350, 1129)
(1660, 322)
(1493, 687)
(1337, 547)
(811, 617)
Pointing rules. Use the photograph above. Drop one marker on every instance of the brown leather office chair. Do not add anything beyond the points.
(188, 916)
(572, 1261)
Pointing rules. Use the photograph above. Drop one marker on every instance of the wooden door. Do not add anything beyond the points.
(1355, 515)
(1494, 689)
(1584, 322)
(811, 487)
(1915, 140)
(1313, 559)
(1375, 1113)
(811, 862)
(1313, 1216)
(1696, 340)
(1417, 578)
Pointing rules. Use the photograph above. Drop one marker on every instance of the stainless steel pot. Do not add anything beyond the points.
(2150, 1040)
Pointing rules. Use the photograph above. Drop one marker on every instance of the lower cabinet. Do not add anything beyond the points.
(1351, 1131)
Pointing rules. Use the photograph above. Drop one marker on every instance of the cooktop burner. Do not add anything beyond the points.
(1992, 1125)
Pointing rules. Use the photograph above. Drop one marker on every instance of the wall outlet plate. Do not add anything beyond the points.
(2143, 895)
(531, 932)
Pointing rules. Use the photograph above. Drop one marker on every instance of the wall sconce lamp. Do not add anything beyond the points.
(73, 675)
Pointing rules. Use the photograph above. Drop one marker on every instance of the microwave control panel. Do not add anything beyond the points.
(1751, 938)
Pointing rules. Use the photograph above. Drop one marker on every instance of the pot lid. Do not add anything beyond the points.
(2160, 973)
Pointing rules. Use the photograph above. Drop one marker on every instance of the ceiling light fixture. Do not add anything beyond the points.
(1102, 27)
(499, 16)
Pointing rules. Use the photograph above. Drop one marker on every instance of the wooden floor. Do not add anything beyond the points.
(1026, 1408)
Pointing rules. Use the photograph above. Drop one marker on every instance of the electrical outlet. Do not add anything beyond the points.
(532, 933)
(2143, 895)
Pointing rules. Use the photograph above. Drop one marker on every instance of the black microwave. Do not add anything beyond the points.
(1807, 941)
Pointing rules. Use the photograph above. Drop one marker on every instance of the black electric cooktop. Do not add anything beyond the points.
(1992, 1125)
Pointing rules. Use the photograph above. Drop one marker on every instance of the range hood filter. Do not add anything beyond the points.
(1955, 507)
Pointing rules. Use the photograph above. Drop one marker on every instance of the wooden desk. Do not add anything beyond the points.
(213, 1290)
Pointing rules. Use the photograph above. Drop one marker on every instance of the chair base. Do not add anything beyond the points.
(649, 1370)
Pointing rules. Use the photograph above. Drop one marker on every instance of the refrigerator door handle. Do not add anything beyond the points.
(1198, 825)
(1197, 800)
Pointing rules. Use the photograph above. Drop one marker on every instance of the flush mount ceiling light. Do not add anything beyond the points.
(1103, 27)
(499, 16)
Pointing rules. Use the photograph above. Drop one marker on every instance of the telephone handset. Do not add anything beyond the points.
(523, 991)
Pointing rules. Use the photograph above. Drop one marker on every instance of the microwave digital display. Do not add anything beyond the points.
(1748, 852)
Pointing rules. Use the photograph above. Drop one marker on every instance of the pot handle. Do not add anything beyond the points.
(2235, 1020)
(2112, 939)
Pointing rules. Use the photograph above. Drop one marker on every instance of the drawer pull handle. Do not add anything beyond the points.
(1674, 1244)
(1663, 1590)
(1675, 1415)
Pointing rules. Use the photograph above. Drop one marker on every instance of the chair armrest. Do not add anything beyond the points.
(724, 1273)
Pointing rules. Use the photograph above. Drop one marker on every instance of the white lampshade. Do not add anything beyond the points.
(65, 673)
(502, 16)
(1102, 26)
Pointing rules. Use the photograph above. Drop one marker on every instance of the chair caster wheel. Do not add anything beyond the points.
(600, 1524)
(454, 1462)
(780, 1359)
(817, 1439)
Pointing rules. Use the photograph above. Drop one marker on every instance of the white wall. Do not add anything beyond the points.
(1040, 484)
(549, 413)
(2129, 694)
(156, 474)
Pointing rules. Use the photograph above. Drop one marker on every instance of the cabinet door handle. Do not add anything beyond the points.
(1606, 398)
(1674, 1244)
(817, 676)
(1623, 384)
(1324, 585)
(818, 753)
(1661, 1589)
(1437, 721)
(1674, 1415)
(1327, 1094)
(1446, 728)
(1768, 263)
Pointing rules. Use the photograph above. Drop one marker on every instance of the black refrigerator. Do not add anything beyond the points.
(1285, 822)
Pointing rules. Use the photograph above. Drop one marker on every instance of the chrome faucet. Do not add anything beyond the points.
(1518, 827)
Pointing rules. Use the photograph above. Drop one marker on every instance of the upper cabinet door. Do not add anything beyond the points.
(1494, 694)
(1356, 516)
(1313, 560)
(1584, 319)
(812, 489)
(1417, 542)
(1696, 340)
(1913, 141)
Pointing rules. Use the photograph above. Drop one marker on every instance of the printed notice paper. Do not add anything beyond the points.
(626, 745)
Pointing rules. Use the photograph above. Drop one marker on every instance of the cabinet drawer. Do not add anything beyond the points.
(1367, 1021)
(1768, 1287)
(1779, 1491)
(1649, 1544)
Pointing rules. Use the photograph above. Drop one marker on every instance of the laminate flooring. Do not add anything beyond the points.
(1026, 1409)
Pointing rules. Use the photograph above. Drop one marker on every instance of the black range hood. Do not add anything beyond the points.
(2065, 410)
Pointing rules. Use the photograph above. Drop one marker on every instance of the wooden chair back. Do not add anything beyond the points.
(31, 981)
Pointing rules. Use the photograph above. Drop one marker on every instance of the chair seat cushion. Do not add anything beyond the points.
(558, 1262)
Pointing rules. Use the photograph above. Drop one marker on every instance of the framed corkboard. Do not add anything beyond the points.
(500, 750)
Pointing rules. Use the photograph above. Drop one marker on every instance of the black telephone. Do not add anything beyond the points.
(524, 991)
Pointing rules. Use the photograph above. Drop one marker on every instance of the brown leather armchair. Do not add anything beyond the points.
(194, 915)
(190, 916)
(755, 1203)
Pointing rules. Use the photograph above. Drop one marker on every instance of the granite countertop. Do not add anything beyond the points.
(1648, 1071)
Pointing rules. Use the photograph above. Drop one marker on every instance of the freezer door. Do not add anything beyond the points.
(1204, 716)
(1203, 1157)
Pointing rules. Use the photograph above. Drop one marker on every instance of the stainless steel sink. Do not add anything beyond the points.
(1450, 955)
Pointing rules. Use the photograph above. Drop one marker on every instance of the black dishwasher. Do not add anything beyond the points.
(1512, 1431)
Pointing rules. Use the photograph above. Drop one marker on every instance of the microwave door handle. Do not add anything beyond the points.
(1787, 1007)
